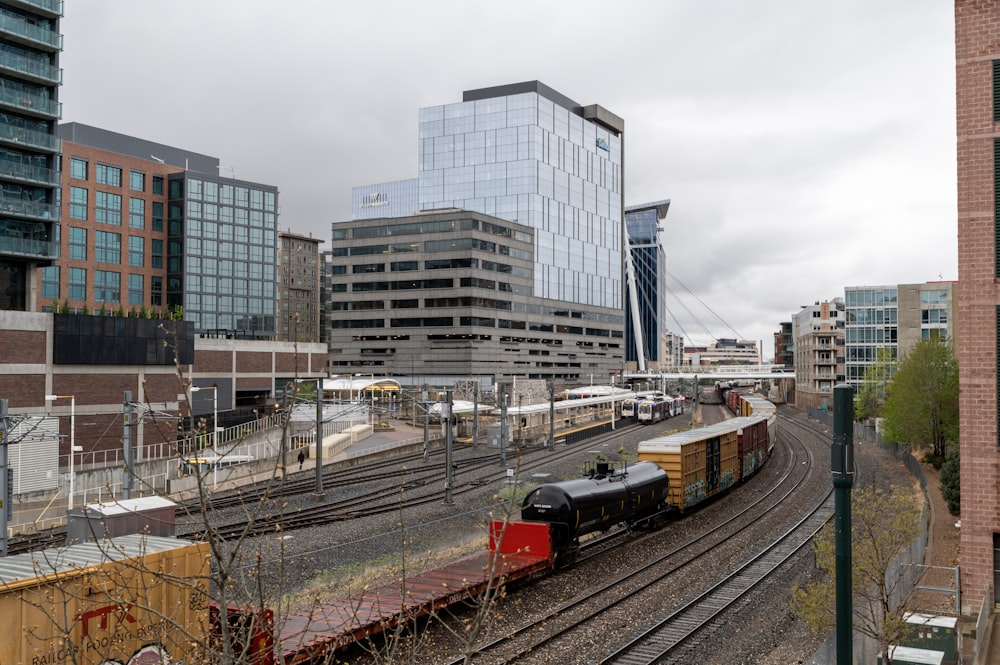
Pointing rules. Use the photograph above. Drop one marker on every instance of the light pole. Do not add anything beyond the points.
(72, 442)
(215, 430)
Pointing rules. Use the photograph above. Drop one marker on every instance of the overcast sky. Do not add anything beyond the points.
(805, 146)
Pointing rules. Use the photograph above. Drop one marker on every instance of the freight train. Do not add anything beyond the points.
(674, 474)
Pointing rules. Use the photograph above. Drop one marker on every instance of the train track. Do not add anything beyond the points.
(570, 618)
(402, 494)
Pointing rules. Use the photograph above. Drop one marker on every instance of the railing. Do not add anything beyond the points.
(21, 171)
(41, 249)
(35, 33)
(982, 619)
(29, 137)
(30, 101)
(52, 6)
(31, 67)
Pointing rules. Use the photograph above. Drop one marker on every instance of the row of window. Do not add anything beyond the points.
(107, 286)
(440, 264)
(111, 176)
(108, 246)
(465, 321)
(108, 209)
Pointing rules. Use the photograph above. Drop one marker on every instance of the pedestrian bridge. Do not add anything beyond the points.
(717, 372)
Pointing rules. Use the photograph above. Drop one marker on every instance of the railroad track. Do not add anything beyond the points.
(394, 497)
(531, 639)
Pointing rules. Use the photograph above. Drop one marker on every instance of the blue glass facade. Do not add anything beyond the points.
(533, 158)
(222, 253)
(649, 266)
(388, 199)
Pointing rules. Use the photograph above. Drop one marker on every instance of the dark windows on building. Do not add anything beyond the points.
(77, 243)
(135, 289)
(77, 284)
(108, 208)
(158, 185)
(107, 247)
(50, 283)
(78, 203)
(78, 168)
(108, 175)
(137, 181)
(107, 286)
(136, 251)
(137, 213)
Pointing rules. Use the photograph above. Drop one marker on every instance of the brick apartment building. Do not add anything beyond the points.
(977, 56)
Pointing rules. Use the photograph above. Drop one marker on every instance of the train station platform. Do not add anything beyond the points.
(30, 517)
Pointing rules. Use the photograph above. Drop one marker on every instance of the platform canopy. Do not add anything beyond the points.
(349, 386)
(459, 407)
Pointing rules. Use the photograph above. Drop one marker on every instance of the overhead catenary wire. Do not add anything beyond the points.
(690, 293)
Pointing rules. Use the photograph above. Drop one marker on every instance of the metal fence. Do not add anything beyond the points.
(908, 570)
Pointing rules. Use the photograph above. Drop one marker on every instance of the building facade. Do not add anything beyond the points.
(977, 58)
(30, 77)
(784, 345)
(819, 359)
(894, 318)
(646, 282)
(299, 270)
(148, 225)
(529, 160)
(451, 294)
(724, 351)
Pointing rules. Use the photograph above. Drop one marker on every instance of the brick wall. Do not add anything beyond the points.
(977, 44)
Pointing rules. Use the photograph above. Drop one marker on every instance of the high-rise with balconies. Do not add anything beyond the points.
(30, 43)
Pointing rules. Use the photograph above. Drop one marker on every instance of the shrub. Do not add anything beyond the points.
(951, 483)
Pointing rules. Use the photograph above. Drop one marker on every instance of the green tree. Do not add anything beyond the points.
(883, 525)
(874, 386)
(950, 483)
(922, 406)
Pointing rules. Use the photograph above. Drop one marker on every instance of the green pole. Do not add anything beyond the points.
(842, 466)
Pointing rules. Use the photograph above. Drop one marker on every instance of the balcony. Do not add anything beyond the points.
(34, 209)
(30, 68)
(30, 33)
(16, 170)
(39, 250)
(52, 8)
(29, 138)
(26, 102)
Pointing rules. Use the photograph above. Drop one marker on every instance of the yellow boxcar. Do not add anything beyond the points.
(132, 599)
(699, 463)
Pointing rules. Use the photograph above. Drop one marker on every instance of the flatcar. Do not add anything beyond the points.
(633, 495)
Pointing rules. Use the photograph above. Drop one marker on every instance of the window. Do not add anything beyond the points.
(137, 213)
(77, 203)
(107, 247)
(107, 286)
(158, 184)
(136, 250)
(78, 168)
(108, 208)
(109, 175)
(77, 284)
(137, 181)
(77, 244)
(157, 216)
(135, 290)
(50, 283)
(156, 291)
(156, 255)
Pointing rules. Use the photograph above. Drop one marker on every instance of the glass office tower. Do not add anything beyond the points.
(528, 154)
(649, 263)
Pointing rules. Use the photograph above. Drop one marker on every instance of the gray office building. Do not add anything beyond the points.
(527, 187)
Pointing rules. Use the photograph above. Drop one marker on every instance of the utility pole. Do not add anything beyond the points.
(6, 491)
(129, 469)
(318, 493)
(447, 447)
(504, 429)
(842, 467)
(552, 415)
(475, 415)
(427, 423)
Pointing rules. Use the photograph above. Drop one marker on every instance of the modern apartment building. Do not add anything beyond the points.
(977, 82)
(525, 185)
(299, 269)
(724, 351)
(151, 225)
(895, 318)
(30, 77)
(818, 331)
(645, 291)
(784, 345)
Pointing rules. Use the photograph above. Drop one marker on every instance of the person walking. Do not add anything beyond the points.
(302, 458)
